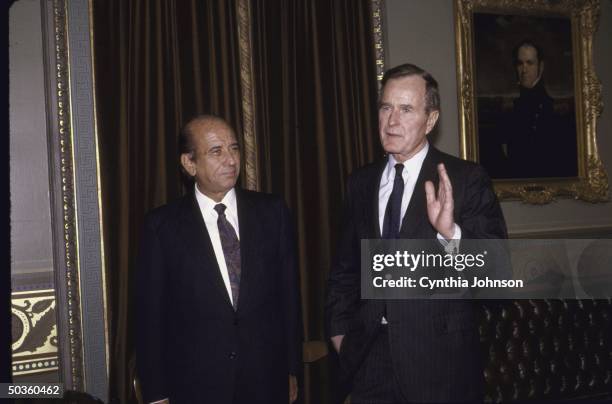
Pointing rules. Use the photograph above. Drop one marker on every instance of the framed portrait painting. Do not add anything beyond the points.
(529, 97)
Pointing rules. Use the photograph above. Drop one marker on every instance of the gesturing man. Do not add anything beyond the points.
(218, 306)
(409, 350)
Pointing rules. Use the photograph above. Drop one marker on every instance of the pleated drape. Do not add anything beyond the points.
(157, 63)
(316, 94)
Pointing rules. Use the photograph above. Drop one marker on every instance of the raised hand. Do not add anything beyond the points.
(440, 207)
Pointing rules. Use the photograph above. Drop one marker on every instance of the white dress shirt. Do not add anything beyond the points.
(210, 216)
(412, 168)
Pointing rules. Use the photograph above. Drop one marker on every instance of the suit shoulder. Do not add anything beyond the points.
(456, 165)
(167, 213)
(261, 199)
(364, 174)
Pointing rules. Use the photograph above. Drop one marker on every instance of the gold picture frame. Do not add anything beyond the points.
(577, 21)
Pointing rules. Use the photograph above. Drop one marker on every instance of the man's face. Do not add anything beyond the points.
(216, 161)
(528, 67)
(402, 121)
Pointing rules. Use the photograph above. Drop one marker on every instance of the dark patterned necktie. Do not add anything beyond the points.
(392, 219)
(393, 213)
(231, 251)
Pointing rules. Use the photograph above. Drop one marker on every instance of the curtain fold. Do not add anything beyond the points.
(157, 63)
(316, 91)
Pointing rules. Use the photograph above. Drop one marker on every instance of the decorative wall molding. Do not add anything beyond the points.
(82, 332)
(34, 331)
(87, 195)
(63, 198)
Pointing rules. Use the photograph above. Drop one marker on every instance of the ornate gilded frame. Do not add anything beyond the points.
(377, 10)
(591, 185)
(62, 199)
(79, 268)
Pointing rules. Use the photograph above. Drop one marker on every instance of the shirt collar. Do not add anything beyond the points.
(207, 204)
(411, 166)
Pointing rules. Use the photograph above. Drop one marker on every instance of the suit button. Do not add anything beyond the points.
(232, 355)
(235, 321)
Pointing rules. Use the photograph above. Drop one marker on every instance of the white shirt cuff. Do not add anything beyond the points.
(451, 246)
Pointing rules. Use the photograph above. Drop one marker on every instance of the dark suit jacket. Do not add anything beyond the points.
(191, 345)
(434, 343)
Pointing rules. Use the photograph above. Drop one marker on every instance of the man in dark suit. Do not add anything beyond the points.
(533, 129)
(218, 306)
(409, 350)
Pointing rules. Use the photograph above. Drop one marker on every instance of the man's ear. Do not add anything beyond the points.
(188, 164)
(431, 120)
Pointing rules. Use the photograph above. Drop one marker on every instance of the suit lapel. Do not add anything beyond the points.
(416, 212)
(248, 224)
(373, 189)
(199, 247)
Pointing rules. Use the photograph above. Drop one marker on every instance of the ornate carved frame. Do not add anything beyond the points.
(75, 196)
(377, 7)
(591, 185)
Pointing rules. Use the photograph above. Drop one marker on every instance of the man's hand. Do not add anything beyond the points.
(440, 208)
(293, 389)
(337, 341)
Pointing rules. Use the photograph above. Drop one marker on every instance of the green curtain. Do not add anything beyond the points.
(157, 62)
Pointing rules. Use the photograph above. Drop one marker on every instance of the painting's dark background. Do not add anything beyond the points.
(496, 35)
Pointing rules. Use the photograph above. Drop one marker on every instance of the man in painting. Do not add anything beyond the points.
(218, 302)
(397, 351)
(536, 140)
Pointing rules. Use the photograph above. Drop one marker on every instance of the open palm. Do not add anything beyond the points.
(440, 207)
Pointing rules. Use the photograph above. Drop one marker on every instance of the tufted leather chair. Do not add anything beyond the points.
(538, 350)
